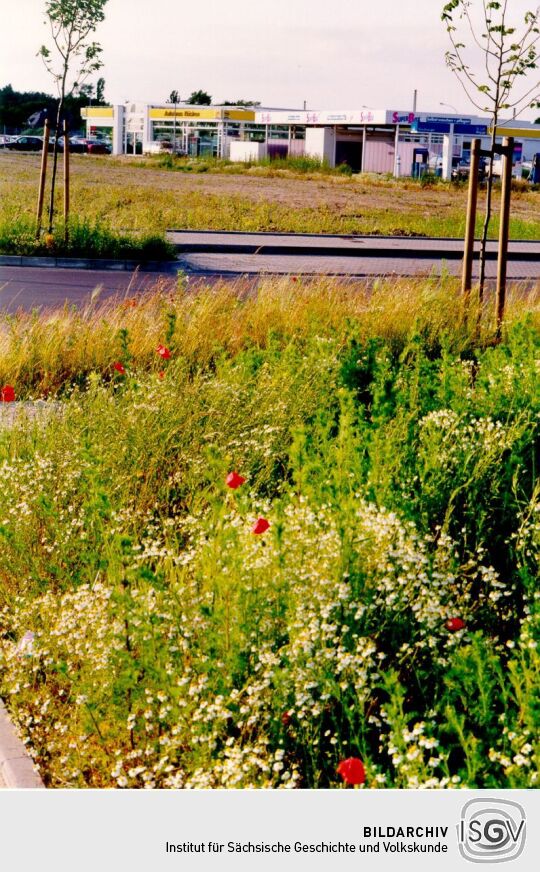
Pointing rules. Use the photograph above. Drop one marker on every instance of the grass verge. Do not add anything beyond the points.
(149, 638)
(88, 238)
(127, 198)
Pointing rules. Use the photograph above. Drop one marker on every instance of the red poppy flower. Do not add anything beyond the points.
(120, 368)
(294, 278)
(352, 771)
(7, 394)
(261, 525)
(163, 352)
(286, 718)
(454, 624)
(234, 480)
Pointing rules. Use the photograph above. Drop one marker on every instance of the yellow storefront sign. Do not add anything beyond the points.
(517, 132)
(97, 112)
(160, 114)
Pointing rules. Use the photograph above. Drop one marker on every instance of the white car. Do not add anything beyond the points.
(157, 146)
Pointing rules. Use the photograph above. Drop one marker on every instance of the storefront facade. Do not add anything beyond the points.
(378, 140)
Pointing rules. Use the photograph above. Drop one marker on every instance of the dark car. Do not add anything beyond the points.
(25, 143)
(463, 169)
(84, 145)
(97, 146)
(77, 145)
(60, 143)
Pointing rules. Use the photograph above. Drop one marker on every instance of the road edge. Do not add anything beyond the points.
(16, 766)
(89, 263)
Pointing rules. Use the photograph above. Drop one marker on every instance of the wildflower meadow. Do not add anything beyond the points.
(273, 537)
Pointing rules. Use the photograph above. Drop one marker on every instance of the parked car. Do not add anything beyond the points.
(436, 165)
(25, 143)
(81, 145)
(463, 169)
(77, 145)
(157, 146)
(516, 168)
(52, 140)
(97, 146)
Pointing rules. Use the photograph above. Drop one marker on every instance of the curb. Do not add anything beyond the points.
(88, 263)
(354, 246)
(16, 766)
(352, 236)
(323, 251)
(332, 251)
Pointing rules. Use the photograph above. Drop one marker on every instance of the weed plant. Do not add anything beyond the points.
(150, 639)
(89, 238)
(295, 165)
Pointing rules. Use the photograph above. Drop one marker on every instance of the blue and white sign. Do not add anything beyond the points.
(438, 126)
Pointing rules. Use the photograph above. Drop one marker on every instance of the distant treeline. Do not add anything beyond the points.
(18, 107)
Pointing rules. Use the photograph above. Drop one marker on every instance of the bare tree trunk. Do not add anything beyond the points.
(487, 219)
(55, 150)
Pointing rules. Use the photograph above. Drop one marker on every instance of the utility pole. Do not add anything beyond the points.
(174, 98)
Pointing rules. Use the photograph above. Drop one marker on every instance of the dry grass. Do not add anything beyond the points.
(41, 353)
(129, 197)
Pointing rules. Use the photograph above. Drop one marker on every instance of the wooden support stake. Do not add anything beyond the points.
(470, 226)
(42, 177)
(504, 228)
(66, 183)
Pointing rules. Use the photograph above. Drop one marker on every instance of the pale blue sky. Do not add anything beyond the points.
(334, 55)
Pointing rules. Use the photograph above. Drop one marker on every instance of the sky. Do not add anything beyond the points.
(345, 54)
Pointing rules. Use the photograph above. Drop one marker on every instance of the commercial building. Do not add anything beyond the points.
(368, 140)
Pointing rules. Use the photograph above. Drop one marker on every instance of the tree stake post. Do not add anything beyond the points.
(66, 183)
(470, 225)
(504, 228)
(42, 177)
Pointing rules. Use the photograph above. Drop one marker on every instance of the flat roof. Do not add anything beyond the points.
(307, 117)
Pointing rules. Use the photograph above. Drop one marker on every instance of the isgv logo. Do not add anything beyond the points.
(491, 830)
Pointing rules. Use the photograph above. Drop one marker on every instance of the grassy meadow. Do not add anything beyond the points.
(145, 197)
(155, 633)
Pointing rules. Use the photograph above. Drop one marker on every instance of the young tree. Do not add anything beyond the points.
(500, 54)
(86, 92)
(71, 23)
(199, 98)
(100, 90)
(247, 103)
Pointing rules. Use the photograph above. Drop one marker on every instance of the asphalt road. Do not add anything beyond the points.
(30, 287)
(27, 288)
